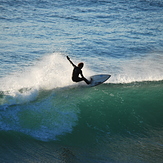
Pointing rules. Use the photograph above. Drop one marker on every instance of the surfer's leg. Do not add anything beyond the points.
(88, 82)
(81, 79)
(77, 80)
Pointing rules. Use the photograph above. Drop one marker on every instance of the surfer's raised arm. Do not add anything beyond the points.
(71, 61)
(78, 71)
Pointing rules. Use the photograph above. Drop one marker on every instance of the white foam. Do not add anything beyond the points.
(146, 68)
(50, 72)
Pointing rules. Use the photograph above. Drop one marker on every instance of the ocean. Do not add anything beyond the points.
(45, 117)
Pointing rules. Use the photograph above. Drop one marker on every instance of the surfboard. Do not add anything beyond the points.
(98, 79)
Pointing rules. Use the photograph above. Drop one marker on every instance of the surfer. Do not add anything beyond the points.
(77, 71)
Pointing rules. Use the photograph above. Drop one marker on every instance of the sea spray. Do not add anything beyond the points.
(145, 68)
(50, 72)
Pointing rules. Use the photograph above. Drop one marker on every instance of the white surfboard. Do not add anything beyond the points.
(99, 79)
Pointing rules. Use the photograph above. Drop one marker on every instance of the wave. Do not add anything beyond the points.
(126, 109)
(44, 103)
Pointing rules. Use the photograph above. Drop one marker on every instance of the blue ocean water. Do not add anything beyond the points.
(45, 117)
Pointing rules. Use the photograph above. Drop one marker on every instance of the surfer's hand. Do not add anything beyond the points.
(68, 58)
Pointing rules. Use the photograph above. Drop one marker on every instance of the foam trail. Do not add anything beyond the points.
(147, 68)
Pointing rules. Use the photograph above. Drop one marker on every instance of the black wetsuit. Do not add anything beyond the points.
(76, 72)
(75, 75)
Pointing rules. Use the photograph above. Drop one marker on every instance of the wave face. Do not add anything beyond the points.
(113, 108)
(102, 116)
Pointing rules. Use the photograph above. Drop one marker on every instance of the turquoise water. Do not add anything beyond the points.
(45, 117)
(108, 123)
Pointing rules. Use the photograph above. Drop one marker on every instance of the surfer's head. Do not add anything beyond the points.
(80, 65)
